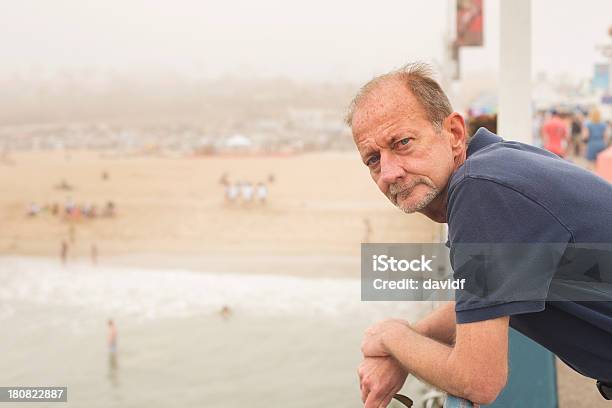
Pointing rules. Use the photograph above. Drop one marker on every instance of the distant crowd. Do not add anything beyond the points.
(71, 211)
(577, 134)
(245, 192)
(573, 135)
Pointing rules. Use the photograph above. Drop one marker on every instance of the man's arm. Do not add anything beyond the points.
(381, 377)
(476, 368)
(439, 324)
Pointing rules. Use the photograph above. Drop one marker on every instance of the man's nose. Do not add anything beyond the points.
(390, 168)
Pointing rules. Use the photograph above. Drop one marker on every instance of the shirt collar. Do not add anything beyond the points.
(481, 139)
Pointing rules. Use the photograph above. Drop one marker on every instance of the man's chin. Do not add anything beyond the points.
(408, 209)
(410, 206)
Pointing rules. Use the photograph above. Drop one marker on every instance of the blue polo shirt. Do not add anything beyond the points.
(510, 192)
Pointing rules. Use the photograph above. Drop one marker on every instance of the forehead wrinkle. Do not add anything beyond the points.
(387, 127)
(386, 104)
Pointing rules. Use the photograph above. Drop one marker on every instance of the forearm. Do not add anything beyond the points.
(439, 325)
(427, 359)
(475, 367)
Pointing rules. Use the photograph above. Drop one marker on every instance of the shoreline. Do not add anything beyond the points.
(304, 266)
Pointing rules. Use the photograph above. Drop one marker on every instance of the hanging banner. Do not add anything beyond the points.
(469, 23)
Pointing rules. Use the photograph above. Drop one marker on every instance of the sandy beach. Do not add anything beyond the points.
(173, 208)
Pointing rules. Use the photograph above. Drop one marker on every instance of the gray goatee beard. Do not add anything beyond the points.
(398, 190)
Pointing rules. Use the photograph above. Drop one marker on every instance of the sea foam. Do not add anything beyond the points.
(154, 293)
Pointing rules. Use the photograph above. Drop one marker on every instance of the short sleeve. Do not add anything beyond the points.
(506, 247)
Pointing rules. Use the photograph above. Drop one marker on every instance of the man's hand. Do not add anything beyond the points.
(373, 339)
(379, 379)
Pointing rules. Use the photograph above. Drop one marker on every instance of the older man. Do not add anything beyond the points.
(487, 190)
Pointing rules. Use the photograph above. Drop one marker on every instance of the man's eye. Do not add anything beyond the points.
(373, 160)
(404, 141)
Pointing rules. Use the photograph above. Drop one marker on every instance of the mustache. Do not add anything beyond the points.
(399, 188)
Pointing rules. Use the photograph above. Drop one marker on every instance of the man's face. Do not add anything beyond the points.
(410, 161)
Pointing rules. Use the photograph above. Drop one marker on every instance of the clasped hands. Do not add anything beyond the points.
(380, 375)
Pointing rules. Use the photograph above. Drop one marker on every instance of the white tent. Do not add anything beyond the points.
(238, 141)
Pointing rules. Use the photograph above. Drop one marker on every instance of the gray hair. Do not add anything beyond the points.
(418, 79)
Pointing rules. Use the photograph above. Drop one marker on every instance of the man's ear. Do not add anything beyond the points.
(455, 125)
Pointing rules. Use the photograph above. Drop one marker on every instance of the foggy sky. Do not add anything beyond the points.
(315, 40)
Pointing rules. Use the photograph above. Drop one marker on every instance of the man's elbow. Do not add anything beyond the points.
(485, 388)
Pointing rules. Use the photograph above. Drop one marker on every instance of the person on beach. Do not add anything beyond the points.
(33, 209)
(63, 252)
(225, 312)
(576, 132)
(112, 337)
(113, 364)
(224, 179)
(247, 191)
(68, 207)
(232, 191)
(94, 254)
(596, 136)
(488, 190)
(261, 192)
(109, 210)
(554, 134)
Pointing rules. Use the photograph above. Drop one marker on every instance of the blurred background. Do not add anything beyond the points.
(182, 205)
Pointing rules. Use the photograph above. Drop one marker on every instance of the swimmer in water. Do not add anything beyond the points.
(112, 336)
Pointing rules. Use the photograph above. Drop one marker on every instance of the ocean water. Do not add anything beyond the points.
(289, 341)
